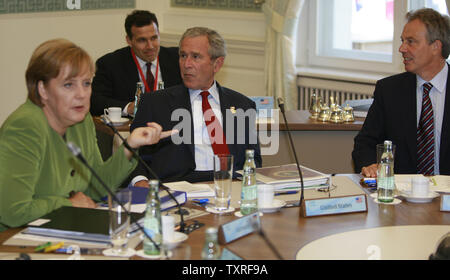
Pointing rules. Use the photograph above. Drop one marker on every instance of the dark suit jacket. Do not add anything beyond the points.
(114, 83)
(175, 162)
(393, 116)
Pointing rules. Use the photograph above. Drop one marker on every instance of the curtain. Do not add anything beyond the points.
(280, 72)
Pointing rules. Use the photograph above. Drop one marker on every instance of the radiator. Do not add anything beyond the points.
(325, 88)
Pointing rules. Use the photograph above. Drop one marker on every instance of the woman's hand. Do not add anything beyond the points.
(149, 135)
(81, 200)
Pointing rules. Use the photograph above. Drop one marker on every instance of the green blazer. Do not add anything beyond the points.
(37, 171)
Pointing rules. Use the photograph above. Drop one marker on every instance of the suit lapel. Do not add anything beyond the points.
(131, 70)
(410, 115)
(445, 130)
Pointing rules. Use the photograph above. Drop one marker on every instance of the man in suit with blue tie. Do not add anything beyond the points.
(412, 109)
(214, 119)
(144, 60)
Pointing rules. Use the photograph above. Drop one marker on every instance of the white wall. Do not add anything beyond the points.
(102, 31)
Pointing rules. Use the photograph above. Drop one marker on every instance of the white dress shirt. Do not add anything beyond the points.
(143, 65)
(203, 150)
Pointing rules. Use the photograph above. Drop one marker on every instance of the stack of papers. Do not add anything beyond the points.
(286, 177)
(191, 190)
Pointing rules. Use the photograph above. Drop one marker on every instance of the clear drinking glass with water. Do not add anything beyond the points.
(119, 221)
(223, 175)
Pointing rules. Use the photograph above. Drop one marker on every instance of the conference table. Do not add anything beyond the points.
(289, 231)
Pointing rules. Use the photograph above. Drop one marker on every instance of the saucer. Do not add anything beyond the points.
(110, 253)
(408, 196)
(276, 205)
(178, 237)
(211, 209)
(122, 121)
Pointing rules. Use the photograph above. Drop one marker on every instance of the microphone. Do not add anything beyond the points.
(281, 106)
(76, 151)
(108, 122)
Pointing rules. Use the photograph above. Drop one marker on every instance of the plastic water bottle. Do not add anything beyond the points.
(249, 196)
(152, 220)
(137, 95)
(385, 174)
(211, 249)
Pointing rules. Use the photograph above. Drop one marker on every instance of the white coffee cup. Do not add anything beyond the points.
(265, 196)
(420, 186)
(168, 228)
(113, 113)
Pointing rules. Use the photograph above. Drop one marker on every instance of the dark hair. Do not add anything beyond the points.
(438, 27)
(139, 18)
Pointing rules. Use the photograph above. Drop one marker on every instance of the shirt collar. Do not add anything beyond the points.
(213, 91)
(143, 63)
(439, 81)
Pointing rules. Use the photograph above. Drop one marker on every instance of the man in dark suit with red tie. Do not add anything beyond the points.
(230, 116)
(412, 109)
(144, 60)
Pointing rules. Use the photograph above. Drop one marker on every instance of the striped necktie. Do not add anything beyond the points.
(425, 135)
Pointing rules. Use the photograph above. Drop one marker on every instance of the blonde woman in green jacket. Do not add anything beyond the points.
(38, 174)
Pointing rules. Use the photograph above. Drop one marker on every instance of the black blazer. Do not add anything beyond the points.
(114, 83)
(393, 116)
(175, 162)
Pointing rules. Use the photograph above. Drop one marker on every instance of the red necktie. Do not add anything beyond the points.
(150, 78)
(425, 135)
(215, 131)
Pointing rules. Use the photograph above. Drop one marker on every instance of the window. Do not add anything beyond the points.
(358, 34)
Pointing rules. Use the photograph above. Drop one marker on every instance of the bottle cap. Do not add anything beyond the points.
(211, 230)
(153, 183)
(249, 152)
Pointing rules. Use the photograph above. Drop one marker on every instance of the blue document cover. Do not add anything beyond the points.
(139, 196)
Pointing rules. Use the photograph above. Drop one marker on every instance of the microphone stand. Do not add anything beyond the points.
(76, 151)
(281, 106)
(108, 122)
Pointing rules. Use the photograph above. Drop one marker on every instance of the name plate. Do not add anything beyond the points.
(445, 202)
(334, 205)
(238, 228)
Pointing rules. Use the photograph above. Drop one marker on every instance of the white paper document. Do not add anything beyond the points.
(192, 190)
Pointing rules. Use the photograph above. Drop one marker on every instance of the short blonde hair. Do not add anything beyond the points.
(47, 61)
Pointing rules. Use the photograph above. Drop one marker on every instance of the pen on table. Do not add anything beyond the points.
(288, 192)
(201, 202)
(41, 247)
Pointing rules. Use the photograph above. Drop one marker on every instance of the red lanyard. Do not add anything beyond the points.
(144, 80)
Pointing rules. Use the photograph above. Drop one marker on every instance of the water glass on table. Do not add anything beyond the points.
(119, 221)
(223, 175)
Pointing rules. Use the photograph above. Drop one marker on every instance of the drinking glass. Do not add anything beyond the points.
(119, 221)
(223, 175)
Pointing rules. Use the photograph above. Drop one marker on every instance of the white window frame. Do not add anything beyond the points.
(350, 64)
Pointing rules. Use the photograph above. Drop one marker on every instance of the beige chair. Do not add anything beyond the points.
(117, 141)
